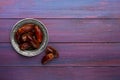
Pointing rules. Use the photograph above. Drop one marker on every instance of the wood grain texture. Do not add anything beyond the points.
(60, 9)
(59, 73)
(72, 30)
(86, 34)
(71, 54)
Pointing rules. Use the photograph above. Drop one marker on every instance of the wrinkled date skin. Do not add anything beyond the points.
(26, 37)
(38, 34)
(29, 37)
(25, 28)
(51, 54)
(34, 43)
(24, 46)
(47, 58)
(50, 49)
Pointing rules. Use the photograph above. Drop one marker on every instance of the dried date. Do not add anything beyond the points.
(50, 49)
(25, 46)
(34, 43)
(47, 58)
(27, 37)
(51, 53)
(17, 37)
(25, 28)
(38, 34)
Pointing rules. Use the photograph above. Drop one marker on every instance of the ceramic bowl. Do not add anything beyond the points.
(29, 53)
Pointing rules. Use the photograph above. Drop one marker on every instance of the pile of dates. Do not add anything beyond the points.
(29, 37)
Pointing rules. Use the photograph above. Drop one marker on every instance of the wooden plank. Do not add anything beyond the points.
(60, 9)
(72, 30)
(59, 73)
(71, 54)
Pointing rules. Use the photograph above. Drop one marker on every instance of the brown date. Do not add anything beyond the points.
(38, 34)
(24, 46)
(17, 37)
(47, 58)
(35, 43)
(25, 28)
(26, 37)
(50, 49)
(51, 53)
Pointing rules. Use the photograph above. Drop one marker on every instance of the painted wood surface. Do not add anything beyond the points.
(85, 32)
(59, 73)
(72, 30)
(71, 54)
(60, 9)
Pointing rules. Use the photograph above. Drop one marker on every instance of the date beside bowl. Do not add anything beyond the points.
(29, 37)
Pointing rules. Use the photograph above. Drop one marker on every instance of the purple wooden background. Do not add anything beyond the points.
(85, 32)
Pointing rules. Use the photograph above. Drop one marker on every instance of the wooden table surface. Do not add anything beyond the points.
(85, 32)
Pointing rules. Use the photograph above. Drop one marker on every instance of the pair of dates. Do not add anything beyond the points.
(29, 37)
(51, 53)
